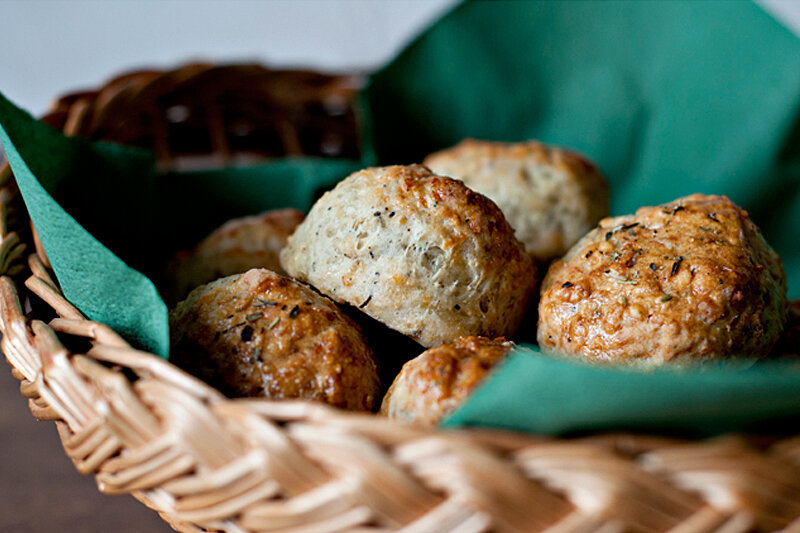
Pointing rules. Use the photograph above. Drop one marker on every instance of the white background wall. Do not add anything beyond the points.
(49, 47)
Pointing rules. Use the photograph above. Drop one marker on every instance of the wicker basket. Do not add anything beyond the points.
(206, 463)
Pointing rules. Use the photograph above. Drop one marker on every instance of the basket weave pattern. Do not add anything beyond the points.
(206, 463)
(201, 115)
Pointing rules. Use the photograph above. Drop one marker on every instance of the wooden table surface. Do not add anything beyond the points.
(40, 490)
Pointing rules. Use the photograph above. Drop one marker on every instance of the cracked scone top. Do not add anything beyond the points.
(688, 281)
(551, 197)
(421, 253)
(260, 334)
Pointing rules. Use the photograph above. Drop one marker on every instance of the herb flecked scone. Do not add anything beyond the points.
(551, 197)
(434, 384)
(421, 253)
(689, 281)
(261, 334)
(233, 248)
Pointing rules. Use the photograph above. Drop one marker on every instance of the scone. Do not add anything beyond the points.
(551, 197)
(261, 334)
(421, 253)
(692, 280)
(434, 384)
(233, 248)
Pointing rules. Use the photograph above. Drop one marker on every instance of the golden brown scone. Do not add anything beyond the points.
(233, 248)
(261, 334)
(551, 197)
(688, 281)
(789, 343)
(434, 384)
(420, 253)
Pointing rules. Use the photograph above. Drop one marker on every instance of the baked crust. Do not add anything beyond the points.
(233, 248)
(551, 197)
(418, 252)
(435, 383)
(692, 280)
(261, 334)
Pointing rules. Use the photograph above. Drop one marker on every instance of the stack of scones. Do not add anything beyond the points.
(445, 257)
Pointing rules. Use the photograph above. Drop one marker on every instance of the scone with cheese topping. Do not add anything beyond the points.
(233, 248)
(550, 196)
(434, 384)
(692, 280)
(421, 253)
(264, 335)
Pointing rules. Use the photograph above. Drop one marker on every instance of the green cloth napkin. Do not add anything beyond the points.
(531, 392)
(93, 181)
(109, 222)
